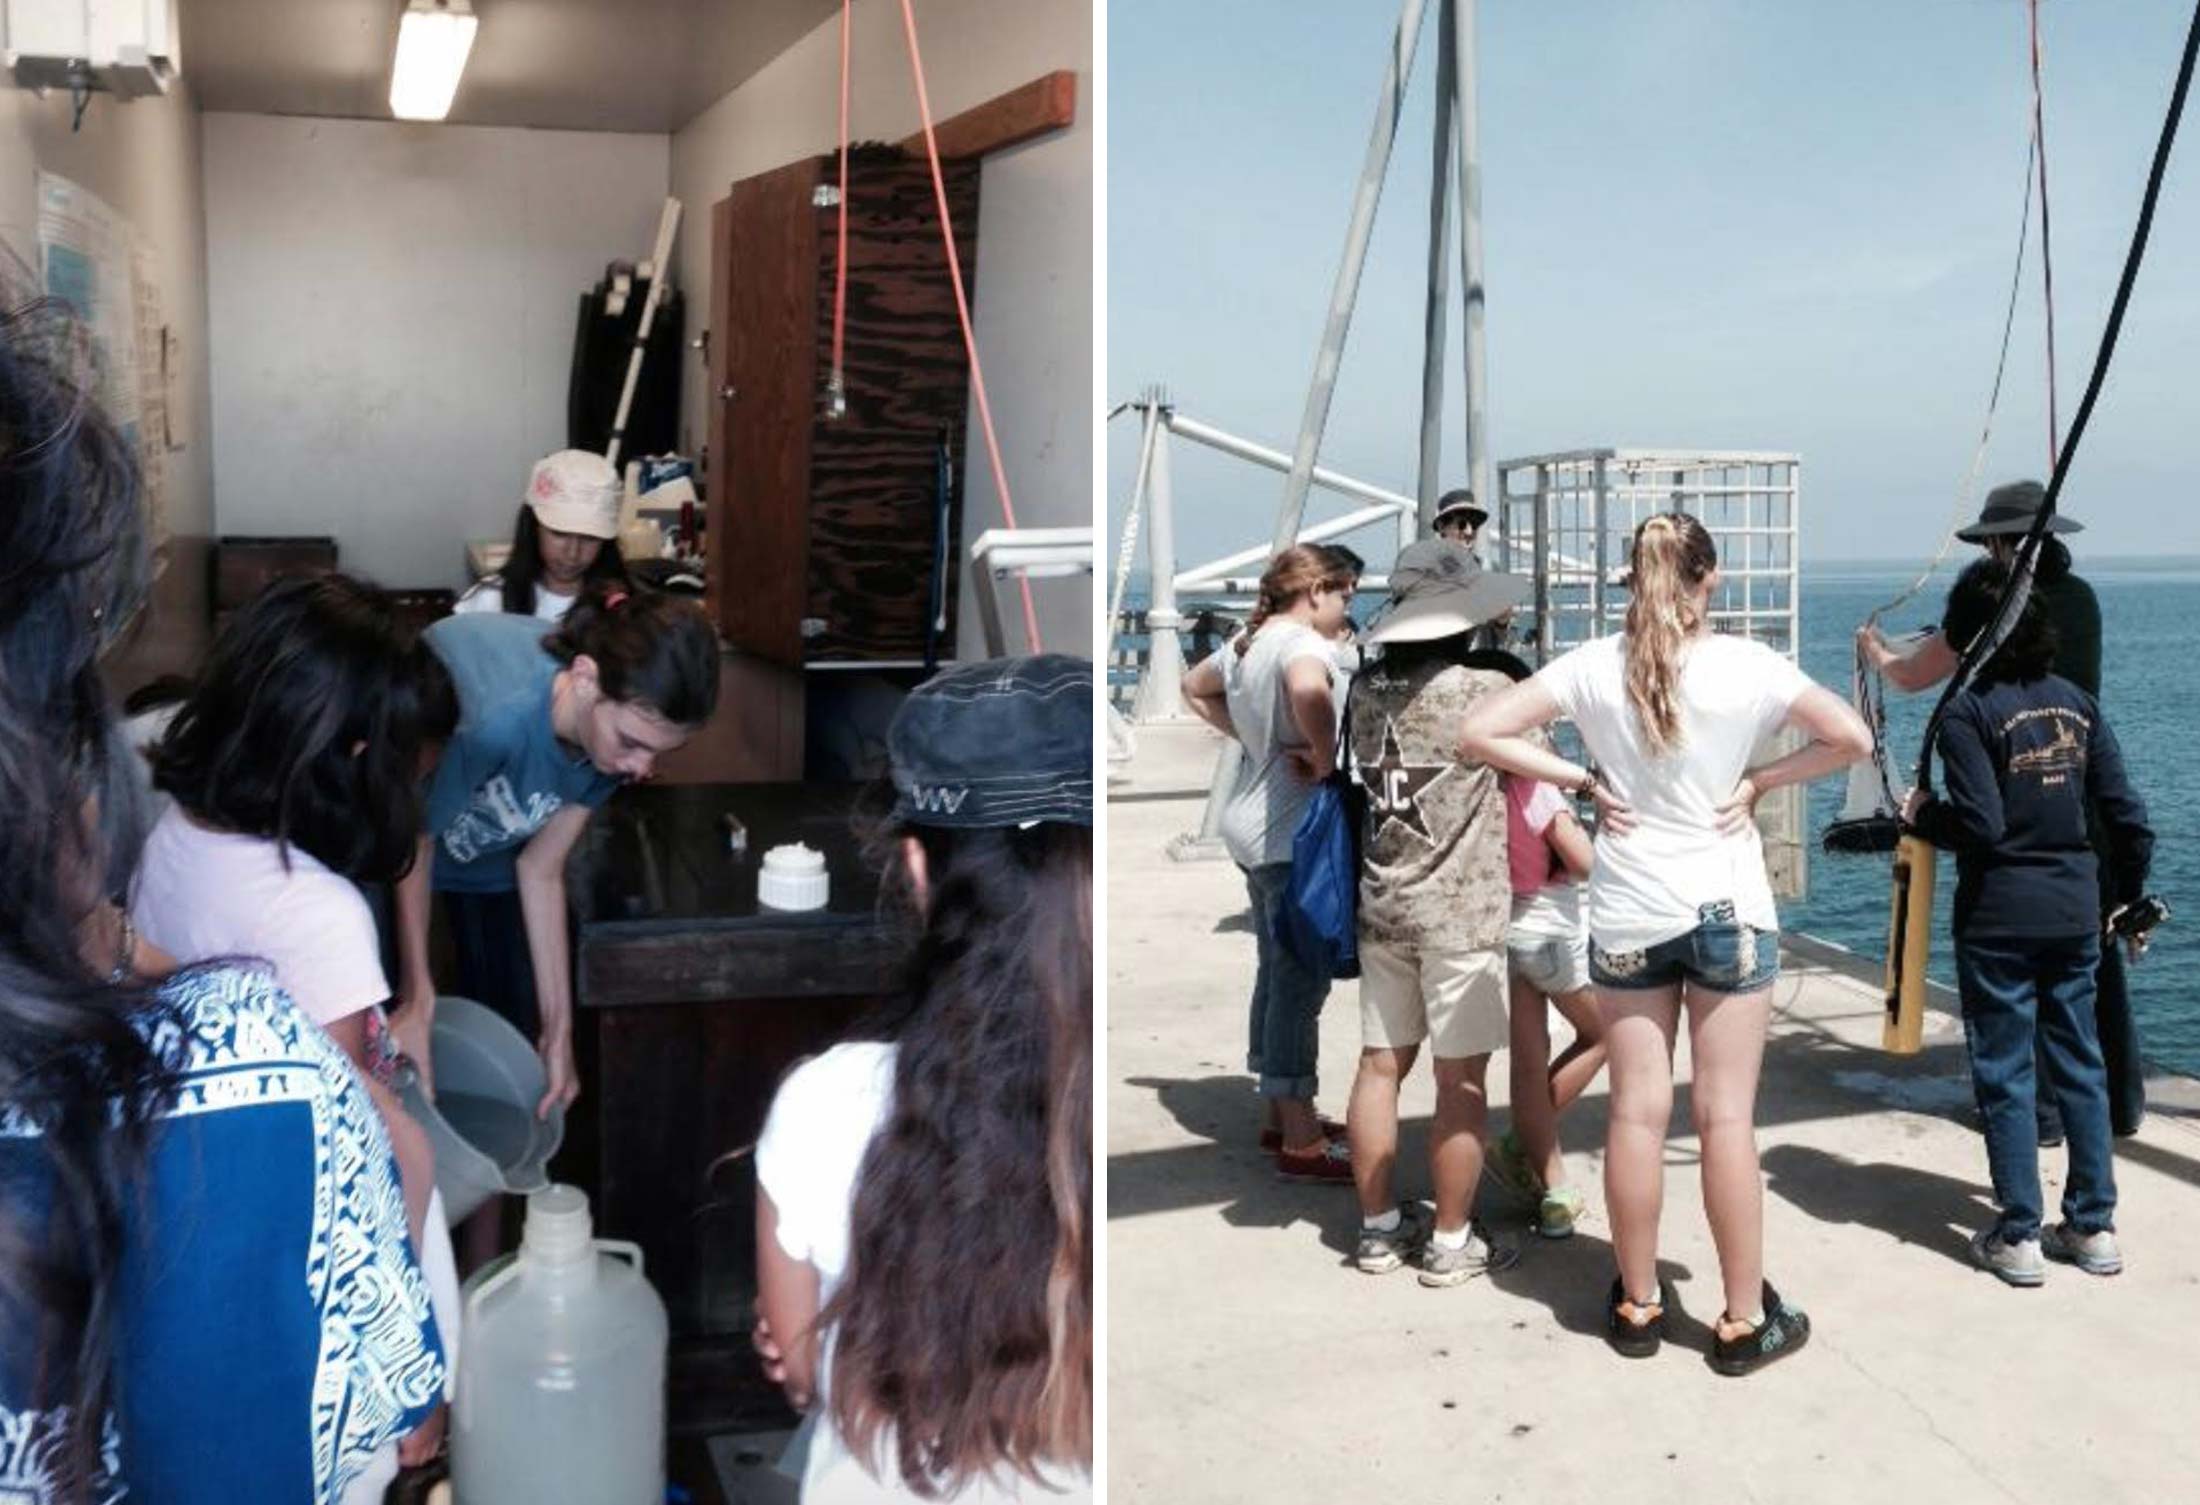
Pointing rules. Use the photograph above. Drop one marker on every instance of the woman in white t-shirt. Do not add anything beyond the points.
(924, 1194)
(292, 770)
(564, 541)
(1680, 912)
(1272, 689)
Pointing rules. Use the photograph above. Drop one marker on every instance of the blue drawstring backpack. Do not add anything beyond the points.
(1321, 906)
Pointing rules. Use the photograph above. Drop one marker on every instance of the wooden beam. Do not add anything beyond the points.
(1048, 103)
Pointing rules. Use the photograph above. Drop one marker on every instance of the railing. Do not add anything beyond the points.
(1566, 520)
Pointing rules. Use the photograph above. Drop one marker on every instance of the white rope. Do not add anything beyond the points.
(1967, 493)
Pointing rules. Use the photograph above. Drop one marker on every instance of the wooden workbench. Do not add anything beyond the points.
(691, 1003)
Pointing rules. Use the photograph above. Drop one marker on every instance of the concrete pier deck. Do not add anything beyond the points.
(1248, 1361)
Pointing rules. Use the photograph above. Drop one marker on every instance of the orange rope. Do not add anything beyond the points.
(962, 309)
(840, 264)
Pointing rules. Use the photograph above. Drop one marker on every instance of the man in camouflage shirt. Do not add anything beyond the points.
(1435, 904)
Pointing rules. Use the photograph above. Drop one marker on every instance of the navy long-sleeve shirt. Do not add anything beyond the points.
(2023, 763)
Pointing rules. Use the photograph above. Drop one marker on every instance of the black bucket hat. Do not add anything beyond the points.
(2009, 510)
(1002, 742)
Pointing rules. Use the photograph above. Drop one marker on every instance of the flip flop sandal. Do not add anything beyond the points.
(1783, 1331)
(1632, 1339)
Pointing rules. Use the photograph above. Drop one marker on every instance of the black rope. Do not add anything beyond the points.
(2028, 548)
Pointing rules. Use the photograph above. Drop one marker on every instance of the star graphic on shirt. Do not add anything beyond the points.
(1394, 786)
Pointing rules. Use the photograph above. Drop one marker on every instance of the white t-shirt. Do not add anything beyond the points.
(202, 894)
(1648, 885)
(487, 594)
(1263, 811)
(1345, 661)
(821, 1123)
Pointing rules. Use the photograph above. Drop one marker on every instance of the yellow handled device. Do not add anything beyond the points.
(1909, 942)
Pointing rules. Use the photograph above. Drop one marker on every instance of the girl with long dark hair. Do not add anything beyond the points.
(924, 1203)
(293, 767)
(1681, 918)
(1272, 689)
(564, 541)
(206, 1288)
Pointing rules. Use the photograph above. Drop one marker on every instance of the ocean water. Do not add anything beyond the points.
(2150, 672)
(2150, 669)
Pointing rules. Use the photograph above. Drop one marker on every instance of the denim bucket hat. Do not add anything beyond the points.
(1003, 742)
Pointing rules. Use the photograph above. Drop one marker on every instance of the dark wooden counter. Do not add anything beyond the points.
(692, 1001)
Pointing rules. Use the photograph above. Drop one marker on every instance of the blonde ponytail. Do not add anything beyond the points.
(1673, 556)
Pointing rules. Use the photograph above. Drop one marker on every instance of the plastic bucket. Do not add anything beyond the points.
(482, 1123)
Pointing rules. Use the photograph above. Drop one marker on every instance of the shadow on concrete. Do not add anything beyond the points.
(1910, 1206)
(1810, 1075)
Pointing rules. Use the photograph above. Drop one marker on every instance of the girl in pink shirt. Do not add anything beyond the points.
(1547, 962)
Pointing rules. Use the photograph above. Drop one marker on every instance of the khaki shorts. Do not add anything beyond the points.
(1455, 999)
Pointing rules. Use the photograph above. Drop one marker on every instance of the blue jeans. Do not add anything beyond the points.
(2016, 993)
(1285, 1029)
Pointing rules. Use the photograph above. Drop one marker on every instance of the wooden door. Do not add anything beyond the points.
(764, 316)
(877, 512)
(834, 538)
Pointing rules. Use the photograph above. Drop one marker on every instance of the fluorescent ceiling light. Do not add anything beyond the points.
(433, 38)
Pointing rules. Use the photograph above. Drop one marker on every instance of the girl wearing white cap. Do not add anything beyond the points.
(558, 540)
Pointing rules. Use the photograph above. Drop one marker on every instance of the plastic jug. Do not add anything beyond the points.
(561, 1380)
(482, 1123)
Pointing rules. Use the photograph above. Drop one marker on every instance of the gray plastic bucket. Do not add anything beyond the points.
(482, 1123)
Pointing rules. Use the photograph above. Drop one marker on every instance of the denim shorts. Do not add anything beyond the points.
(1721, 955)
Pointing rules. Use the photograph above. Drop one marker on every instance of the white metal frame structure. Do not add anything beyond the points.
(1153, 504)
(1569, 519)
(1029, 553)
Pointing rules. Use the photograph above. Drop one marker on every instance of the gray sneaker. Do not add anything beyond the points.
(1479, 1256)
(2095, 1253)
(2019, 1264)
(1379, 1253)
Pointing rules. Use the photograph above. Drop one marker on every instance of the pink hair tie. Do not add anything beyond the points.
(613, 600)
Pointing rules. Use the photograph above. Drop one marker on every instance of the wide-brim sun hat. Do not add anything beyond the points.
(1439, 589)
(2010, 510)
(574, 491)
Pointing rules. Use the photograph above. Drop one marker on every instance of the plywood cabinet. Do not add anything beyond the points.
(833, 538)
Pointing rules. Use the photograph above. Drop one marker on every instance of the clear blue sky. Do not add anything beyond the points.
(1708, 223)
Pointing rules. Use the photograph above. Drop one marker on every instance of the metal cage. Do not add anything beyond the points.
(1568, 519)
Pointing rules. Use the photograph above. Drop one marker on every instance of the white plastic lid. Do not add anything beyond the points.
(558, 1230)
(793, 878)
(795, 861)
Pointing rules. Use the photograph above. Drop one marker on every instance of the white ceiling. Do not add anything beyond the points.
(588, 65)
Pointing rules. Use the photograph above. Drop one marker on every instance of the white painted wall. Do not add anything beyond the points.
(143, 159)
(1033, 311)
(392, 311)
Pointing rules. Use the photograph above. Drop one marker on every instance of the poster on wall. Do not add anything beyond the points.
(90, 258)
(149, 340)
